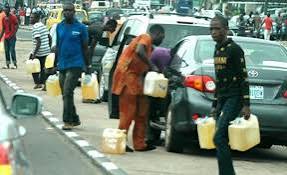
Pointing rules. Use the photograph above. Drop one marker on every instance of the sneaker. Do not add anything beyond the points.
(67, 126)
(44, 88)
(6, 67)
(13, 67)
(37, 86)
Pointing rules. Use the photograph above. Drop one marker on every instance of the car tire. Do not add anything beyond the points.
(102, 91)
(173, 141)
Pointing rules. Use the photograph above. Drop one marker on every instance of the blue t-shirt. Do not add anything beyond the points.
(70, 39)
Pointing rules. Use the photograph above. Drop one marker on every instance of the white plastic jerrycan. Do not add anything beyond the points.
(206, 131)
(53, 85)
(90, 87)
(32, 66)
(155, 85)
(244, 134)
(49, 62)
(114, 141)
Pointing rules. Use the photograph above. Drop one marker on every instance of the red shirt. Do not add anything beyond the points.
(9, 25)
(268, 23)
(22, 12)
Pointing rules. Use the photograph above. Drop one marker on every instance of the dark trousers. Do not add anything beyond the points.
(40, 78)
(9, 45)
(158, 108)
(228, 109)
(68, 81)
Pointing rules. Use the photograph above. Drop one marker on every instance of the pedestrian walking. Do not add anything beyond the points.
(128, 84)
(70, 62)
(257, 24)
(232, 90)
(268, 26)
(279, 24)
(10, 27)
(28, 12)
(41, 41)
(22, 16)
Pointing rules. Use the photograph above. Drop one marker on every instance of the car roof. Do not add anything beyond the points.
(235, 38)
(170, 19)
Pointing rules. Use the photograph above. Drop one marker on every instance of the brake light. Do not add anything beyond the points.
(202, 83)
(195, 116)
(5, 153)
(285, 94)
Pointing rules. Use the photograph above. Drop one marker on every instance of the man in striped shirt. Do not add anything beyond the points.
(41, 41)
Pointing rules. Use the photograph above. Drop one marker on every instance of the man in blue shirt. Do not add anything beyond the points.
(72, 58)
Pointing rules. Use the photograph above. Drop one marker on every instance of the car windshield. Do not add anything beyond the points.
(255, 53)
(80, 15)
(95, 15)
(173, 33)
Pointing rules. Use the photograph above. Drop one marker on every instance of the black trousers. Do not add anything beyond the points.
(40, 78)
(228, 109)
(68, 82)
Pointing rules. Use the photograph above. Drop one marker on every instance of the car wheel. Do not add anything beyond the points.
(173, 142)
(103, 92)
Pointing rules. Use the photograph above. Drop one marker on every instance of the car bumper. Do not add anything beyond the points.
(272, 118)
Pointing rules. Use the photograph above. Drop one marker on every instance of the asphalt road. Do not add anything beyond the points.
(48, 152)
(24, 34)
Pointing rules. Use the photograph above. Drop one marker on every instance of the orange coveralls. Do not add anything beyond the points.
(128, 84)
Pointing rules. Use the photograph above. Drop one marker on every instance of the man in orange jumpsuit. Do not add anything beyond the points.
(128, 84)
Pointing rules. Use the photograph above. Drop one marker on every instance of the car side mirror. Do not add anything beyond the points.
(25, 105)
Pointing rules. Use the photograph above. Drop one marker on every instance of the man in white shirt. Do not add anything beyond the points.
(28, 13)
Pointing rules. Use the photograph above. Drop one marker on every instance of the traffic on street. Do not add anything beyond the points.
(144, 89)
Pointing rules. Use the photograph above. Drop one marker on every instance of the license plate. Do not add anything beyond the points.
(256, 92)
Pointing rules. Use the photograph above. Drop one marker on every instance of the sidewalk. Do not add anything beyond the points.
(29, 27)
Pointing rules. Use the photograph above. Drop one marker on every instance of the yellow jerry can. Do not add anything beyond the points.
(90, 87)
(155, 85)
(49, 62)
(53, 86)
(32, 66)
(244, 134)
(206, 131)
(114, 141)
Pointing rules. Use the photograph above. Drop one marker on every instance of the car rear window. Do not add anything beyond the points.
(175, 32)
(255, 53)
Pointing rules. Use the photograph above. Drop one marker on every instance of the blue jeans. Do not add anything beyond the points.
(68, 82)
(228, 109)
(9, 45)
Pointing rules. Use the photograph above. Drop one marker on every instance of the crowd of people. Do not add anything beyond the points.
(253, 24)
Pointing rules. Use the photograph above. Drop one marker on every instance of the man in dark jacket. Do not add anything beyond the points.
(232, 90)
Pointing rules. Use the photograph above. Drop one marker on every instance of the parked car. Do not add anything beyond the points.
(13, 158)
(176, 27)
(96, 17)
(267, 70)
(56, 16)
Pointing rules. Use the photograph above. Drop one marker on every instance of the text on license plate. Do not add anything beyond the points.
(256, 92)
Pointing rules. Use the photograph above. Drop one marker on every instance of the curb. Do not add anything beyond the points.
(97, 158)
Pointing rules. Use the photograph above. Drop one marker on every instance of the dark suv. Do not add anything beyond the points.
(176, 27)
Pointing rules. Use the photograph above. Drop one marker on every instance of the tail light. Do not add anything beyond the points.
(5, 158)
(202, 83)
(285, 94)
(4, 153)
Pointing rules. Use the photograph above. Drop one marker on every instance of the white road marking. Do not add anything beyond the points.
(47, 113)
(71, 134)
(95, 154)
(82, 143)
(110, 166)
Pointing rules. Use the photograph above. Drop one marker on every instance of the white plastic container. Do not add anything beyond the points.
(53, 86)
(244, 134)
(49, 62)
(90, 87)
(155, 85)
(32, 66)
(206, 131)
(114, 141)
